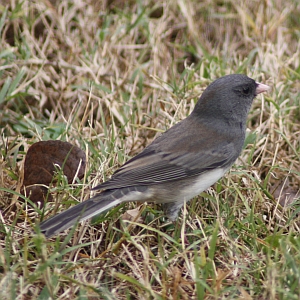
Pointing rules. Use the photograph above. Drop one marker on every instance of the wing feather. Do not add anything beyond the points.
(164, 160)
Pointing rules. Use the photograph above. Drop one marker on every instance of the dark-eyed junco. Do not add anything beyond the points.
(182, 162)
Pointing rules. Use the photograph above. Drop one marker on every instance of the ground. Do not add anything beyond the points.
(109, 76)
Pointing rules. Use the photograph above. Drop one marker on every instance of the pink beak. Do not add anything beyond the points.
(260, 88)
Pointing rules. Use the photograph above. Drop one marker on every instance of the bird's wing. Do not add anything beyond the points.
(157, 164)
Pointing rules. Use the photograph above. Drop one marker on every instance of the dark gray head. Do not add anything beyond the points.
(229, 98)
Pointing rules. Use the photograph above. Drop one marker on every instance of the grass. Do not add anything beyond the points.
(110, 76)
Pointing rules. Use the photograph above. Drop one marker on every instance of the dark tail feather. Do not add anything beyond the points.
(77, 213)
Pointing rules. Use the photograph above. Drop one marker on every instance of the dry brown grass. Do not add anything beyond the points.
(109, 76)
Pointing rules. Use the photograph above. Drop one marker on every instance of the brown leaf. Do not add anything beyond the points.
(37, 194)
(244, 294)
(132, 215)
(286, 192)
(42, 160)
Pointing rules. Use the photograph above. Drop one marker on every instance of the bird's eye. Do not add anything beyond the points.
(246, 90)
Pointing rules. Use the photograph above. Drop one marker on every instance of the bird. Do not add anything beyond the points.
(182, 162)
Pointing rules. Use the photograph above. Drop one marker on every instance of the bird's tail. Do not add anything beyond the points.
(77, 213)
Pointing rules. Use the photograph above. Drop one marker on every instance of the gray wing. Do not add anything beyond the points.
(164, 160)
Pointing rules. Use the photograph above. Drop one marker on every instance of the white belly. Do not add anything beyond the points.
(202, 183)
